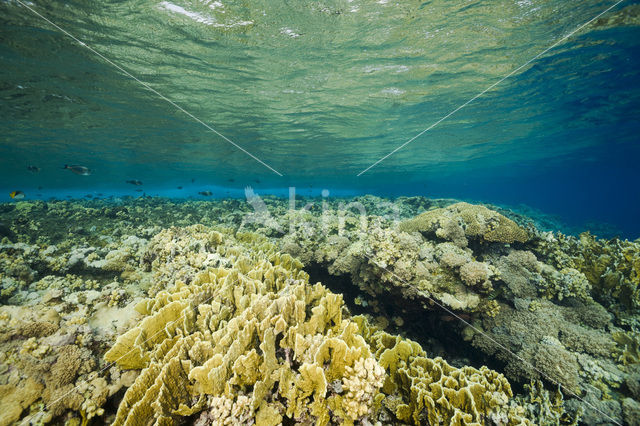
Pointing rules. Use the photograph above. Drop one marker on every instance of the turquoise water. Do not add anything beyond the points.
(319, 91)
(319, 212)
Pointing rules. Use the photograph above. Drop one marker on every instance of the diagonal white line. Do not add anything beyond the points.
(160, 95)
(489, 88)
(519, 358)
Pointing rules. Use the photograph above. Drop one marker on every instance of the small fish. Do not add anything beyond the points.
(231, 180)
(79, 170)
(33, 169)
(206, 193)
(17, 195)
(179, 187)
(39, 188)
(134, 182)
(138, 190)
(193, 180)
(257, 181)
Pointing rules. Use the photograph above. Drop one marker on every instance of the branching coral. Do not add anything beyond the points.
(629, 352)
(547, 407)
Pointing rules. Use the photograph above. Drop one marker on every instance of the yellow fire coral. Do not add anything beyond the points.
(243, 332)
(255, 342)
(422, 390)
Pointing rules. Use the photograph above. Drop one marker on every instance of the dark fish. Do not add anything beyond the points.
(192, 180)
(39, 188)
(135, 182)
(179, 187)
(206, 193)
(231, 180)
(79, 170)
(17, 195)
(257, 181)
(33, 169)
(138, 190)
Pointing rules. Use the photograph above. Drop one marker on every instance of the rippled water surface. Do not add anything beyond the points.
(319, 91)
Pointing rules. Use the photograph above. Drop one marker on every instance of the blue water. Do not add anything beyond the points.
(320, 92)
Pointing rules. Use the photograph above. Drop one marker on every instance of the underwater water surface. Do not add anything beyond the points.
(319, 91)
(345, 212)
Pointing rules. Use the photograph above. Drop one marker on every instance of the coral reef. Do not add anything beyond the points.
(421, 390)
(218, 323)
(253, 341)
(462, 222)
(540, 316)
(612, 268)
